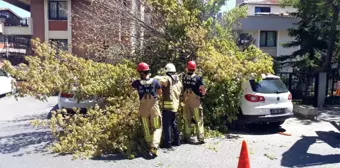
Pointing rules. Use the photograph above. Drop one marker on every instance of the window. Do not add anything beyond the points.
(269, 85)
(57, 10)
(2, 39)
(60, 43)
(3, 73)
(268, 39)
(262, 9)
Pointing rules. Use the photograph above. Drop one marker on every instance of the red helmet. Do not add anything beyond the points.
(191, 65)
(143, 67)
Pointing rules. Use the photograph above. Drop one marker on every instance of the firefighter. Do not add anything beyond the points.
(150, 115)
(193, 90)
(171, 89)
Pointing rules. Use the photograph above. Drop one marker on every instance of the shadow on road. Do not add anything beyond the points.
(14, 143)
(297, 155)
(110, 157)
(49, 115)
(41, 116)
(258, 129)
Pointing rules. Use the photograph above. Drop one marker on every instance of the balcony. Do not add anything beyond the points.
(267, 22)
(25, 27)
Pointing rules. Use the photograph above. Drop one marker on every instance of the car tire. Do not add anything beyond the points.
(276, 124)
(237, 124)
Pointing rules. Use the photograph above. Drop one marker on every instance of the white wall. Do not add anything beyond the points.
(256, 36)
(274, 9)
(284, 38)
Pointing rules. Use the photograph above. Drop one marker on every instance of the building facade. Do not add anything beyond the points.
(268, 25)
(15, 34)
(53, 20)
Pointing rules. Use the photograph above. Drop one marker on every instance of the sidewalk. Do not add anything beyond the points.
(329, 114)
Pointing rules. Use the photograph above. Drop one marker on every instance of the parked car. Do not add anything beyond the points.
(68, 101)
(266, 101)
(7, 83)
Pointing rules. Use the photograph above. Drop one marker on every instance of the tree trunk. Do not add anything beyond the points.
(332, 34)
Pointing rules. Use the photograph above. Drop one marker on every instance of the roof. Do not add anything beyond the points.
(272, 2)
(7, 9)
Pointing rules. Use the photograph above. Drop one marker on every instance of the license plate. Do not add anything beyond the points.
(277, 111)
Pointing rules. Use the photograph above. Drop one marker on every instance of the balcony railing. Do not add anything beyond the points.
(23, 27)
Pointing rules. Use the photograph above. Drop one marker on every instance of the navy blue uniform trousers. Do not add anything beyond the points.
(169, 123)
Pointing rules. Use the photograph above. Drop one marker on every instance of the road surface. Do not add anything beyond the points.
(311, 144)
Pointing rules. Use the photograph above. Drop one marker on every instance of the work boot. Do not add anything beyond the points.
(176, 143)
(169, 149)
(200, 140)
(189, 141)
(153, 152)
(166, 145)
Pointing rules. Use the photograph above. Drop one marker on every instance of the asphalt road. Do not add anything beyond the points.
(311, 144)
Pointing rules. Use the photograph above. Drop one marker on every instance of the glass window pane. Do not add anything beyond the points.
(3, 73)
(60, 43)
(263, 39)
(257, 9)
(269, 86)
(53, 10)
(2, 38)
(271, 39)
(265, 9)
(62, 10)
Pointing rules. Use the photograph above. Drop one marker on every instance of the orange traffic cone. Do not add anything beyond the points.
(243, 161)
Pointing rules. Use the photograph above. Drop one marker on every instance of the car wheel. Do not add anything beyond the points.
(237, 124)
(276, 124)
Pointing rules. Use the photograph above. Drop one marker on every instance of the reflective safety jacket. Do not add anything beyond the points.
(193, 83)
(171, 88)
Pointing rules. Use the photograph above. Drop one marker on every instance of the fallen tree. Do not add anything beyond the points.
(192, 32)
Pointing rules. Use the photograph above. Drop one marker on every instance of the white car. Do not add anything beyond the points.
(68, 101)
(268, 101)
(6, 83)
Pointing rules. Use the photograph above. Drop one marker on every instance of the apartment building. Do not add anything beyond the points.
(53, 21)
(268, 24)
(15, 34)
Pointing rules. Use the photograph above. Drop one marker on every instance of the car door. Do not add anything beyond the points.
(5, 83)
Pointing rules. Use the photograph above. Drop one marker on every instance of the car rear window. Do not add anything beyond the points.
(271, 85)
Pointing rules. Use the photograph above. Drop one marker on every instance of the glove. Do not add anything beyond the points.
(181, 98)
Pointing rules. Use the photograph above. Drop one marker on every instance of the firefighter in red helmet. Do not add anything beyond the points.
(193, 90)
(149, 90)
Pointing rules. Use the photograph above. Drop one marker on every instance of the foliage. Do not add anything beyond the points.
(312, 33)
(224, 68)
(94, 133)
(186, 30)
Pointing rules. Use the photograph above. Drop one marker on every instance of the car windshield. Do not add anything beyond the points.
(271, 85)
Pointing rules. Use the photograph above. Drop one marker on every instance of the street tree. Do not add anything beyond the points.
(187, 30)
(315, 34)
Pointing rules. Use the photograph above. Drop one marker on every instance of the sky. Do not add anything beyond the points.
(230, 4)
(15, 9)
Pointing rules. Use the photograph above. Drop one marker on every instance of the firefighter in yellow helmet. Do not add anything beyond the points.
(148, 90)
(193, 90)
(171, 88)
